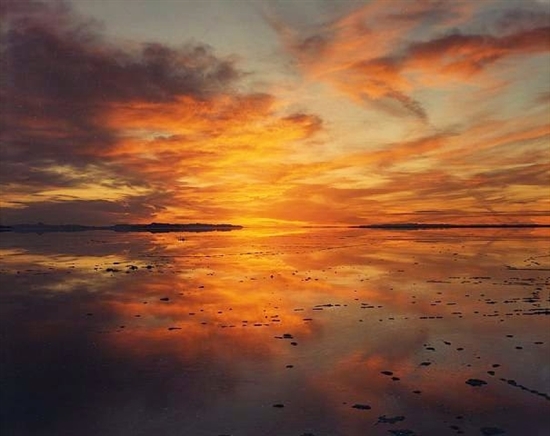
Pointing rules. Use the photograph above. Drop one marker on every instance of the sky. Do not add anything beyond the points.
(275, 112)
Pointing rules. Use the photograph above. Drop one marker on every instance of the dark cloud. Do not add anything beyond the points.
(67, 60)
(60, 79)
(514, 20)
(409, 103)
(72, 210)
(32, 177)
(132, 127)
(464, 54)
(314, 45)
(423, 12)
(59, 76)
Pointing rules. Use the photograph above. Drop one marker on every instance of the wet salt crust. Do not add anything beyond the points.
(311, 332)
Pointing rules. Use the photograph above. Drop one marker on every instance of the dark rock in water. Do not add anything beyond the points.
(425, 363)
(386, 372)
(279, 406)
(385, 420)
(403, 432)
(361, 406)
(475, 382)
(490, 431)
(287, 336)
(164, 299)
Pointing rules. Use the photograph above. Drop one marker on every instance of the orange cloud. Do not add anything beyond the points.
(122, 126)
(465, 55)
(104, 131)
(371, 54)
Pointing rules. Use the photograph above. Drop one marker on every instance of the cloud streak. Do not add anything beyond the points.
(448, 106)
(129, 125)
(385, 52)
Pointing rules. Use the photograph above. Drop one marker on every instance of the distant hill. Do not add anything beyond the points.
(166, 227)
(423, 226)
(152, 228)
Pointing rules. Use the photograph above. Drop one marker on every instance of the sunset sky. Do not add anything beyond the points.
(275, 112)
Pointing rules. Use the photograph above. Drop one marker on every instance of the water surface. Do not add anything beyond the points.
(312, 331)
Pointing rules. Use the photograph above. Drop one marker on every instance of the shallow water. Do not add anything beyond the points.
(272, 332)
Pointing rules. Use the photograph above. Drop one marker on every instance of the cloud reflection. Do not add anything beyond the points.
(148, 329)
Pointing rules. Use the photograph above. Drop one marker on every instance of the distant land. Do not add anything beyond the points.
(151, 228)
(426, 226)
(201, 227)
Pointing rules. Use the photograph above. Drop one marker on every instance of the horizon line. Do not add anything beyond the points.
(196, 226)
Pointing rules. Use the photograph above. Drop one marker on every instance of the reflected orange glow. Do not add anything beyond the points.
(394, 320)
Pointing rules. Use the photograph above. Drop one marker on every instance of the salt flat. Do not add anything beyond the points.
(276, 332)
